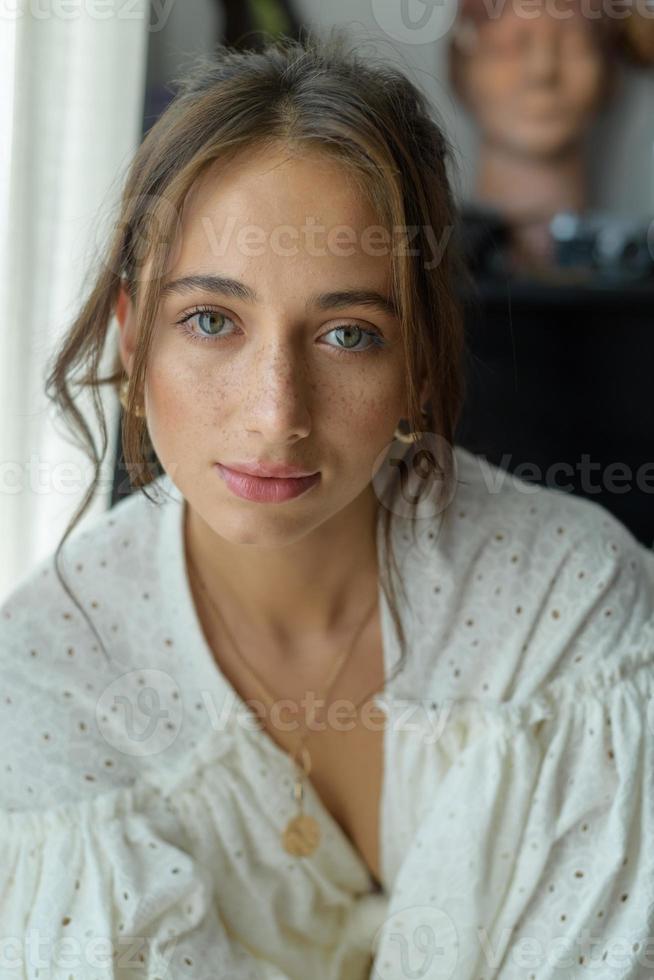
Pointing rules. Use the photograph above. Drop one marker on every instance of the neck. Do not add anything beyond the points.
(317, 588)
(521, 186)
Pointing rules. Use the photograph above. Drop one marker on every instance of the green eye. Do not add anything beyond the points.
(376, 340)
(207, 313)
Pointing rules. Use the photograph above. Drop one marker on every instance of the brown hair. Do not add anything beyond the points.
(309, 92)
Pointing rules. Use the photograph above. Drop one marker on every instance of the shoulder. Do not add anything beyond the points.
(515, 584)
(53, 663)
(104, 545)
(99, 562)
(511, 509)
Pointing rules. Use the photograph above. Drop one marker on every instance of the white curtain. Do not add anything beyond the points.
(72, 81)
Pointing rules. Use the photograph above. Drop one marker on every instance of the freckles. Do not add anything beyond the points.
(371, 420)
(190, 385)
(210, 403)
(195, 404)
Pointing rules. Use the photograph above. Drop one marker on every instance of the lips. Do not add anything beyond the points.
(281, 471)
(265, 489)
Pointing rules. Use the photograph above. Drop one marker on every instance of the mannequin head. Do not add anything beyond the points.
(533, 77)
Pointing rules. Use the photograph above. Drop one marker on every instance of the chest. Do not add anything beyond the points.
(346, 745)
(347, 773)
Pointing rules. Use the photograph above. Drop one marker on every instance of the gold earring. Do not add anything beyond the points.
(122, 394)
(409, 437)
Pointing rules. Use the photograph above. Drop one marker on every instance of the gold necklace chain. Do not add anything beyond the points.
(301, 835)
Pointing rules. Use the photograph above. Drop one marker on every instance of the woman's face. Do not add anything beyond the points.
(534, 82)
(269, 372)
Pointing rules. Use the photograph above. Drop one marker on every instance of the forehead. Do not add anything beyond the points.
(278, 208)
(279, 188)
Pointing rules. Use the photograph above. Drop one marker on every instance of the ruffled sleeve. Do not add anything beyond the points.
(534, 858)
(532, 855)
(95, 890)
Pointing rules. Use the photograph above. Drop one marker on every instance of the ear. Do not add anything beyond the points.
(125, 315)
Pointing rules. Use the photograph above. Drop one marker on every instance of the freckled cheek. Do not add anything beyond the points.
(374, 422)
(364, 416)
(184, 401)
(182, 404)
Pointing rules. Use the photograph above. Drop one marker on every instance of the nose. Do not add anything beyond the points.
(543, 53)
(276, 394)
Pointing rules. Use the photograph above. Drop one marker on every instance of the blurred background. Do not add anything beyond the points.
(552, 123)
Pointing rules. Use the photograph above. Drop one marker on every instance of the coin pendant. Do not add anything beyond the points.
(301, 836)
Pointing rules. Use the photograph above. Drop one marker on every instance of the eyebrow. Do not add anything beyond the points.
(338, 299)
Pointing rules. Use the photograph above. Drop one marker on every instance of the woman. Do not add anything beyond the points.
(233, 747)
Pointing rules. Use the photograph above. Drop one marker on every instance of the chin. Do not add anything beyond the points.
(543, 143)
(261, 529)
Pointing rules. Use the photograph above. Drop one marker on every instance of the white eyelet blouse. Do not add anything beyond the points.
(141, 809)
